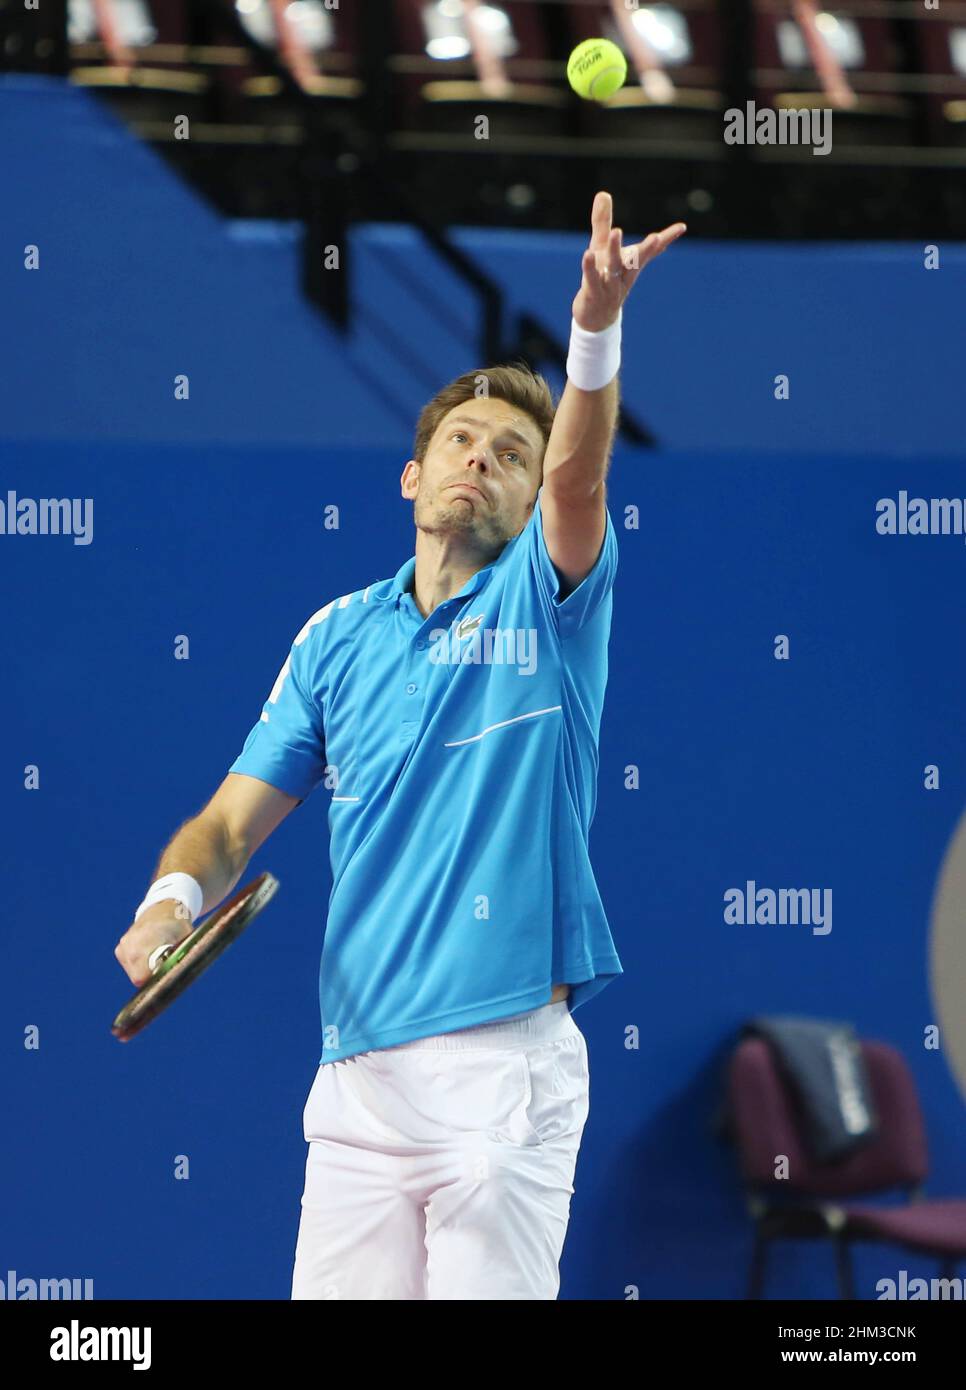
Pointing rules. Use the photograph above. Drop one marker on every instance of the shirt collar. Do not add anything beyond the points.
(406, 574)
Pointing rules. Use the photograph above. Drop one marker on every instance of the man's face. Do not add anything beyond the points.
(480, 475)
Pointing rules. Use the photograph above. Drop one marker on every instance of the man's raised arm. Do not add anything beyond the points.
(573, 500)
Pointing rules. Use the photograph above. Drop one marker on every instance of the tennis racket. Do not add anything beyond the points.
(176, 966)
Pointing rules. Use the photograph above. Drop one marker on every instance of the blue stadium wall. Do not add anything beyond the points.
(756, 518)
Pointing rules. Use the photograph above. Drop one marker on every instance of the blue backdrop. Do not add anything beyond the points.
(799, 773)
(208, 523)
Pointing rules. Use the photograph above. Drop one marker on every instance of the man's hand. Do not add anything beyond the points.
(608, 271)
(162, 922)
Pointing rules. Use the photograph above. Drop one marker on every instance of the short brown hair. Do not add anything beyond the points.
(516, 384)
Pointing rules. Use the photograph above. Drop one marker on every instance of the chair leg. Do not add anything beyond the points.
(843, 1267)
(756, 1277)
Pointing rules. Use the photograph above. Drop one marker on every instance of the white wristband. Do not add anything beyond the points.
(594, 359)
(183, 887)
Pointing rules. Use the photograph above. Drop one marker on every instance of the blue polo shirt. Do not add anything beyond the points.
(459, 752)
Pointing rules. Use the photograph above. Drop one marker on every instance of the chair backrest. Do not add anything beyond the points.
(766, 1120)
(419, 100)
(940, 48)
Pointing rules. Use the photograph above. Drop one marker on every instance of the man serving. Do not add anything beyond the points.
(453, 712)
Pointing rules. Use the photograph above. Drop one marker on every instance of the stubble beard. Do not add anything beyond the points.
(457, 515)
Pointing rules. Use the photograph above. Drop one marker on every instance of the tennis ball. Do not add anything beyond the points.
(596, 69)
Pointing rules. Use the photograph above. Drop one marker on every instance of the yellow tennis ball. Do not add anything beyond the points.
(596, 69)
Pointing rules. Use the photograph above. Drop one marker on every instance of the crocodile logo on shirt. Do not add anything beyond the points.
(468, 626)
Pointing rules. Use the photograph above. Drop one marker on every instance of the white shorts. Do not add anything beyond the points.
(443, 1168)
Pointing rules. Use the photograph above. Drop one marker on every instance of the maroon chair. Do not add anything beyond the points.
(333, 39)
(865, 46)
(941, 51)
(766, 1121)
(165, 82)
(436, 86)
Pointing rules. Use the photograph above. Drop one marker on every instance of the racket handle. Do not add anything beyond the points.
(159, 954)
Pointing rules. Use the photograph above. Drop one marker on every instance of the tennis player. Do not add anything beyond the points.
(454, 712)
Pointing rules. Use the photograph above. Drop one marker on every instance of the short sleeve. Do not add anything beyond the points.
(583, 602)
(286, 748)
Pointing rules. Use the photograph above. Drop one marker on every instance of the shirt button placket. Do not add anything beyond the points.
(410, 721)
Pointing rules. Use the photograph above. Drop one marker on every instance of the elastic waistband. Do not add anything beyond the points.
(547, 1024)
